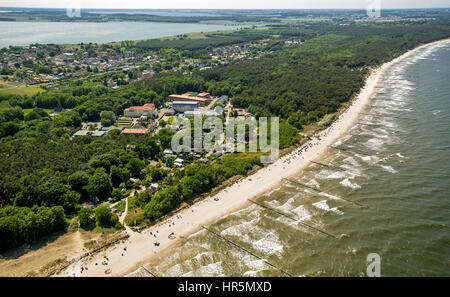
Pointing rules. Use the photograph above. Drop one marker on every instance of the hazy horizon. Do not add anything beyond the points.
(206, 9)
(231, 4)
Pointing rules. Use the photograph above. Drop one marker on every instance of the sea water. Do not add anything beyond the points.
(388, 193)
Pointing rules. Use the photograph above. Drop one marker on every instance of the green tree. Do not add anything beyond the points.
(117, 195)
(70, 200)
(135, 166)
(33, 115)
(86, 217)
(99, 185)
(9, 128)
(217, 104)
(107, 118)
(78, 181)
(157, 174)
(105, 218)
(119, 175)
(165, 138)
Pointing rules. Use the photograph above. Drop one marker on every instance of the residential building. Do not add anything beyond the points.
(168, 152)
(138, 111)
(96, 133)
(169, 112)
(179, 160)
(223, 99)
(216, 112)
(191, 113)
(204, 95)
(137, 132)
(109, 128)
(217, 154)
(190, 98)
(183, 106)
(240, 111)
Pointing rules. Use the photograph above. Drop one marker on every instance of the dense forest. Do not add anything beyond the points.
(310, 81)
(45, 175)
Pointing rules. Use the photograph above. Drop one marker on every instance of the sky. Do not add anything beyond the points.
(226, 4)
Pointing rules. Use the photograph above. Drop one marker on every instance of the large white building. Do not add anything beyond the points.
(183, 106)
(189, 98)
(138, 111)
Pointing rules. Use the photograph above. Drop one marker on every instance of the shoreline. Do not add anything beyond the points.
(206, 28)
(140, 248)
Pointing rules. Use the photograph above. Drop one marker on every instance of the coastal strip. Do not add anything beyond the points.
(156, 241)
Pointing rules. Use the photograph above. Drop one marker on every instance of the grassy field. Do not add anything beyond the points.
(7, 87)
(28, 110)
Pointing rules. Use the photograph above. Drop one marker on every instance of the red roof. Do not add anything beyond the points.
(134, 131)
(190, 98)
(204, 94)
(148, 106)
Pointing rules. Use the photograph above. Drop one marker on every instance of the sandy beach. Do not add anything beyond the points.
(140, 248)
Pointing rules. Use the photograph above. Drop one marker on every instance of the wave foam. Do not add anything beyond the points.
(389, 168)
(270, 244)
(324, 206)
(301, 213)
(347, 183)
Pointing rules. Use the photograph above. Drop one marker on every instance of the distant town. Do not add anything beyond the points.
(118, 64)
